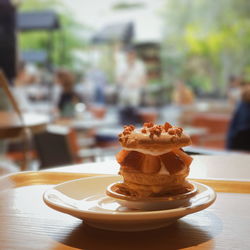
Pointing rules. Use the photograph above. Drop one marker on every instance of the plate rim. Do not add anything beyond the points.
(138, 215)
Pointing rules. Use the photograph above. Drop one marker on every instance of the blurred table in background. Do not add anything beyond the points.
(86, 126)
(86, 123)
(11, 126)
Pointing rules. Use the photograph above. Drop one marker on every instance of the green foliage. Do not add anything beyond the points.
(63, 42)
(206, 40)
(125, 6)
(38, 4)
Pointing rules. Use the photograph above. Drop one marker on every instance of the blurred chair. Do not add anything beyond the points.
(56, 147)
(15, 126)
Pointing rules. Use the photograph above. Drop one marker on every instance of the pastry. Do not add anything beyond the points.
(152, 161)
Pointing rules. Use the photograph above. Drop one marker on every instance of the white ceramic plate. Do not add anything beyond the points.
(86, 199)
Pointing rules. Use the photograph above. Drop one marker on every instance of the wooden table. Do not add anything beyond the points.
(11, 126)
(27, 223)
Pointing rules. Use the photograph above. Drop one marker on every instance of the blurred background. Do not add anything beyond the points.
(80, 70)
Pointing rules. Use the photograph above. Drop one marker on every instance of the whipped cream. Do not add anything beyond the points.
(149, 151)
(163, 170)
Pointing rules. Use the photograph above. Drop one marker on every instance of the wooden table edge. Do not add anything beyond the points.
(29, 178)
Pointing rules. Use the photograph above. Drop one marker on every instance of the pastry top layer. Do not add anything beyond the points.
(153, 139)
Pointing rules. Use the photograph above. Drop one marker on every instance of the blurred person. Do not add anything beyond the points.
(234, 89)
(98, 81)
(131, 77)
(182, 94)
(80, 86)
(20, 87)
(85, 90)
(36, 90)
(31, 93)
(56, 90)
(238, 137)
(21, 77)
(68, 97)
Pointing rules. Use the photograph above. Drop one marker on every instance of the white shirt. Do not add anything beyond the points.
(131, 75)
(131, 78)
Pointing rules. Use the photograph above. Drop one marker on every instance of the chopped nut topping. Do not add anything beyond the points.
(175, 131)
(128, 129)
(155, 130)
(151, 131)
(149, 127)
(126, 132)
(158, 132)
(167, 126)
(179, 131)
(148, 124)
(171, 131)
(132, 127)
(159, 127)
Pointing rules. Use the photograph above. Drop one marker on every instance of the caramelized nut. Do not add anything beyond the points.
(126, 132)
(171, 131)
(157, 132)
(167, 126)
(148, 124)
(131, 127)
(178, 131)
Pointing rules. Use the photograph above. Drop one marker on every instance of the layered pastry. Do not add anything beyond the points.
(152, 161)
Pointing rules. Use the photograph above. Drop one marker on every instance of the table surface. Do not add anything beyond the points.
(27, 223)
(11, 126)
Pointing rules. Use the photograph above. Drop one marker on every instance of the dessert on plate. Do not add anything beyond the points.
(152, 162)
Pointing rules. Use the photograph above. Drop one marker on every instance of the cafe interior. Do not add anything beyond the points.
(124, 124)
